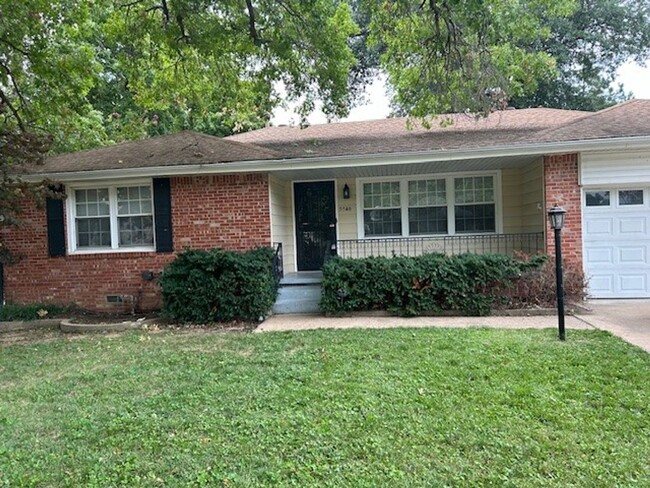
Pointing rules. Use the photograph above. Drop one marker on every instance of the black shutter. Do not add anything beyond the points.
(162, 203)
(55, 227)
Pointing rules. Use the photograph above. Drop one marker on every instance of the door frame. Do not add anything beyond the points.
(293, 214)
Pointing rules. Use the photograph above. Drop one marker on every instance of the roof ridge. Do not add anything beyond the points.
(404, 120)
(570, 122)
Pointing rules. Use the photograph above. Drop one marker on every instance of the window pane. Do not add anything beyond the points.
(134, 200)
(428, 220)
(597, 198)
(474, 189)
(630, 197)
(475, 218)
(135, 231)
(427, 193)
(381, 195)
(94, 232)
(92, 202)
(81, 209)
(382, 222)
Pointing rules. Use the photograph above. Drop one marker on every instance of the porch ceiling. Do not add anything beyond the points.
(406, 169)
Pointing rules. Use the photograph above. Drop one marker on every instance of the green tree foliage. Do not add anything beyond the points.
(46, 70)
(75, 75)
(588, 47)
(211, 66)
(84, 74)
(94, 72)
(447, 55)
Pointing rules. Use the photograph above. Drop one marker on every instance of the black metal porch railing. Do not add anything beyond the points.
(278, 267)
(528, 243)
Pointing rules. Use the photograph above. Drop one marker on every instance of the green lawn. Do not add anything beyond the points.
(353, 408)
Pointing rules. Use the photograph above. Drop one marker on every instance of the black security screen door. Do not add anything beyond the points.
(315, 223)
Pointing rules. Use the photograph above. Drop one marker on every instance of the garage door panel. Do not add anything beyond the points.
(600, 227)
(601, 284)
(632, 283)
(632, 226)
(601, 255)
(632, 255)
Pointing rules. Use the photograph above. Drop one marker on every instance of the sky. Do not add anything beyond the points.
(635, 78)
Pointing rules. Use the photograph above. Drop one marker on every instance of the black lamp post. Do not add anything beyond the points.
(556, 217)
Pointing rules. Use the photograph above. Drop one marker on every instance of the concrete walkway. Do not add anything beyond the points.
(627, 319)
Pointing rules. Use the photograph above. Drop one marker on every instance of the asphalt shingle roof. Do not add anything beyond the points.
(627, 119)
(181, 148)
(394, 135)
(454, 131)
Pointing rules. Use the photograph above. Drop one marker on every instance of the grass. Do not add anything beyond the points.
(355, 408)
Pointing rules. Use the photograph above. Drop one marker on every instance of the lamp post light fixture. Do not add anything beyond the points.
(556, 217)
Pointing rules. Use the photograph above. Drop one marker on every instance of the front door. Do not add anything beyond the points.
(315, 223)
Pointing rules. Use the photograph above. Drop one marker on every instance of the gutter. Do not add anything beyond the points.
(333, 162)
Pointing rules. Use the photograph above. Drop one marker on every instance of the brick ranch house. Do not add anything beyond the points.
(356, 188)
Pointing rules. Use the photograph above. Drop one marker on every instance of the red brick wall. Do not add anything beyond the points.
(230, 211)
(561, 187)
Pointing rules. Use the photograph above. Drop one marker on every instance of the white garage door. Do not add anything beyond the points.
(616, 236)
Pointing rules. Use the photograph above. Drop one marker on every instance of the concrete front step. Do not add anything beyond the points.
(298, 299)
(302, 278)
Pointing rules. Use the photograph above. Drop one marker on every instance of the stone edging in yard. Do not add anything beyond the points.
(18, 325)
(67, 325)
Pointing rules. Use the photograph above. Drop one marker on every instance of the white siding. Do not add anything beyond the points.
(347, 210)
(533, 214)
(615, 168)
(282, 220)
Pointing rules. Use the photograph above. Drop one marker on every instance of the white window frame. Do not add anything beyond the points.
(112, 187)
(449, 184)
(632, 188)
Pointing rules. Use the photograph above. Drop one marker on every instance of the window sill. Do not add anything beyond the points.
(110, 252)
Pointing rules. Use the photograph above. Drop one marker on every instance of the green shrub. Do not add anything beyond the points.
(218, 286)
(430, 283)
(36, 311)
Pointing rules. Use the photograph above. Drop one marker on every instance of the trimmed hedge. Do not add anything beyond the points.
(431, 283)
(218, 286)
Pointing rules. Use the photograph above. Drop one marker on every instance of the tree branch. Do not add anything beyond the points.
(12, 109)
(251, 24)
(14, 47)
(165, 9)
(181, 25)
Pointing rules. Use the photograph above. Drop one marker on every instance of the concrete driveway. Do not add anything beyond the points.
(627, 319)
